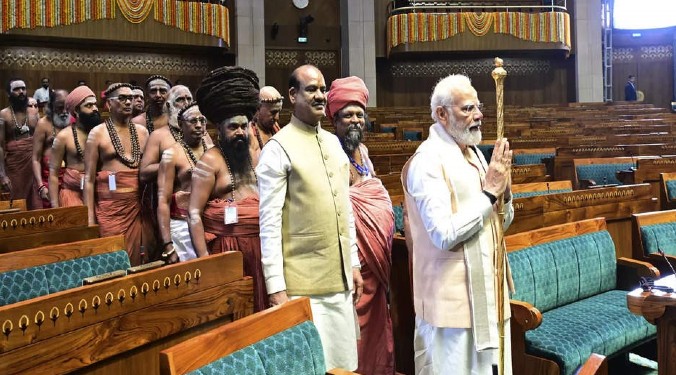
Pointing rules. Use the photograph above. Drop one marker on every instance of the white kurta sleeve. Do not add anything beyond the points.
(425, 183)
(272, 171)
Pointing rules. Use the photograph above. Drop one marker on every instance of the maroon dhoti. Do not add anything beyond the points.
(374, 221)
(242, 236)
(19, 169)
(119, 212)
(70, 193)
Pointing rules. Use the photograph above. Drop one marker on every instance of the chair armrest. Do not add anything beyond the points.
(339, 371)
(525, 315)
(629, 271)
(596, 364)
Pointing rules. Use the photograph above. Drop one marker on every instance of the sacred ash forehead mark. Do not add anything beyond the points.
(17, 84)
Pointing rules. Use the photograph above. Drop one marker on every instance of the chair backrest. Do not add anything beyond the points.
(601, 170)
(279, 340)
(668, 187)
(655, 230)
(41, 271)
(557, 265)
(533, 156)
(541, 188)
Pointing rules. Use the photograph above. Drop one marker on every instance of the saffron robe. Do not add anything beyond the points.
(374, 221)
(119, 212)
(70, 193)
(242, 236)
(19, 169)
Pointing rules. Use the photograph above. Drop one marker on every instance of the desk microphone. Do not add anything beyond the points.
(666, 260)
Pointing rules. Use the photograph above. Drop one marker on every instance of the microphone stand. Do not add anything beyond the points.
(499, 74)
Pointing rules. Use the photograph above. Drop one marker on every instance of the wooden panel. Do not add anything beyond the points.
(522, 240)
(30, 222)
(59, 253)
(541, 186)
(100, 321)
(19, 204)
(208, 347)
(401, 306)
(29, 241)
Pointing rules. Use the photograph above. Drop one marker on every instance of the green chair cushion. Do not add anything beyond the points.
(560, 272)
(412, 135)
(600, 324)
(289, 352)
(244, 361)
(23, 284)
(398, 218)
(387, 129)
(602, 174)
(527, 194)
(662, 236)
(69, 274)
(523, 159)
(671, 189)
(487, 150)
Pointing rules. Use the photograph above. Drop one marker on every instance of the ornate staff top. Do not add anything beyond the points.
(499, 74)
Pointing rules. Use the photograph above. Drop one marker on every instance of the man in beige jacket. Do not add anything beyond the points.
(451, 196)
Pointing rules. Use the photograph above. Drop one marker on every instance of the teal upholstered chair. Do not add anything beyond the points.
(668, 190)
(279, 340)
(600, 171)
(567, 303)
(651, 232)
(523, 159)
(486, 150)
(33, 273)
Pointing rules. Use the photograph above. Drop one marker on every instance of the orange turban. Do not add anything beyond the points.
(77, 96)
(346, 91)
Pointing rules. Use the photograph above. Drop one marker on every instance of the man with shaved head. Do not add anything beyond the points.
(56, 118)
(139, 101)
(68, 149)
(17, 124)
(265, 123)
(157, 88)
(112, 158)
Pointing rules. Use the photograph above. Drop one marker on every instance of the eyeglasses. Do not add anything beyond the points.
(195, 120)
(123, 98)
(181, 99)
(471, 108)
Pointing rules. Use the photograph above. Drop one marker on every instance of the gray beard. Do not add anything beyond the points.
(61, 121)
(352, 139)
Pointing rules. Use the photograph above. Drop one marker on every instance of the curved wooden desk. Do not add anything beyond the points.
(659, 308)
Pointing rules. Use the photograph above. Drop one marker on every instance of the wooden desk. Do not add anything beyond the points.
(659, 308)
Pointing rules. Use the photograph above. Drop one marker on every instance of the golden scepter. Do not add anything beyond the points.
(499, 74)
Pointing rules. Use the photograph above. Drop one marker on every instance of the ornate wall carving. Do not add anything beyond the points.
(292, 59)
(440, 68)
(644, 53)
(26, 58)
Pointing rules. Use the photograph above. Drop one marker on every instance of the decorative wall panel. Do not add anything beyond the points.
(26, 58)
(644, 53)
(440, 68)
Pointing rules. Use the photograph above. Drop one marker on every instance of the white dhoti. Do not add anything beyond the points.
(335, 317)
(439, 351)
(180, 235)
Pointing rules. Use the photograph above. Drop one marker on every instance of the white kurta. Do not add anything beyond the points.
(333, 314)
(449, 348)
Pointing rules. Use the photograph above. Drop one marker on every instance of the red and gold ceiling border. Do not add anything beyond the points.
(429, 27)
(195, 17)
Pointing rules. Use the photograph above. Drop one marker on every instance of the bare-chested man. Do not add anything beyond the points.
(173, 184)
(112, 157)
(139, 101)
(69, 146)
(16, 146)
(224, 193)
(161, 139)
(55, 119)
(154, 118)
(266, 120)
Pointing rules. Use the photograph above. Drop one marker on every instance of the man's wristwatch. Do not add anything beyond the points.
(491, 197)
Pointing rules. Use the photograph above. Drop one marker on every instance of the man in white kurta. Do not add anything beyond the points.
(308, 238)
(451, 196)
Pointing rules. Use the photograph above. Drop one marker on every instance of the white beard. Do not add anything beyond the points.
(465, 136)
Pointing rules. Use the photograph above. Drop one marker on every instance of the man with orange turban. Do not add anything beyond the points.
(374, 221)
(69, 146)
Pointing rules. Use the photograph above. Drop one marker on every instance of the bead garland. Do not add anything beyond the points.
(78, 148)
(363, 170)
(190, 154)
(20, 130)
(149, 123)
(117, 144)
